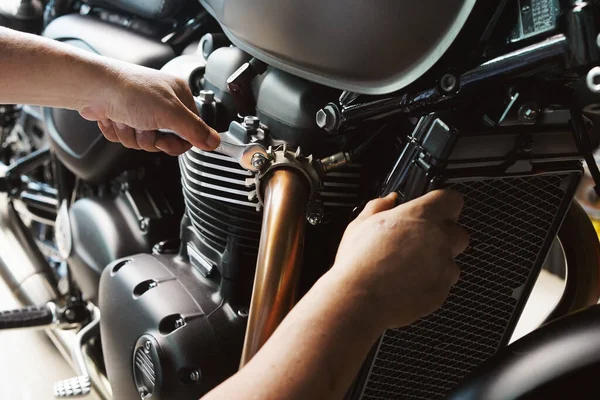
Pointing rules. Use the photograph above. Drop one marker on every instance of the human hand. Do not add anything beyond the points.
(401, 258)
(137, 101)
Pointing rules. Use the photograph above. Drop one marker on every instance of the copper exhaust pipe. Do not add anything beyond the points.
(279, 257)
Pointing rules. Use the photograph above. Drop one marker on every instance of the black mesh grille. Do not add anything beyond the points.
(510, 221)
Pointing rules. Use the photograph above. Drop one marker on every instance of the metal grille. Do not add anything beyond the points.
(510, 221)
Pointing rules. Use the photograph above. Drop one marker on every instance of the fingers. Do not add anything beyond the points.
(126, 135)
(378, 205)
(171, 144)
(146, 140)
(439, 204)
(107, 129)
(458, 238)
(191, 127)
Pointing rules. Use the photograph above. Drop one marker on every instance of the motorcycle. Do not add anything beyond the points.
(172, 285)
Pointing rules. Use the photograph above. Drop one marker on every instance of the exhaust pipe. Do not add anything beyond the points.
(279, 257)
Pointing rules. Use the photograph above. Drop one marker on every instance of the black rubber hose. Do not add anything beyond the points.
(29, 317)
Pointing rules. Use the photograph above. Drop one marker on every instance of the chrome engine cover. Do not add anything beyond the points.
(357, 46)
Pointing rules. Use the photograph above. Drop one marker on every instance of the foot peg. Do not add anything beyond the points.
(29, 317)
(80, 385)
(74, 387)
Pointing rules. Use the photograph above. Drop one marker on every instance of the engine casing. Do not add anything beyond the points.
(166, 330)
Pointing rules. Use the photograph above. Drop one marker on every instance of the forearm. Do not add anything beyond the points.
(315, 353)
(39, 71)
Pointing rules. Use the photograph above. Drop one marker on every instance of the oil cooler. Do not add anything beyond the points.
(517, 190)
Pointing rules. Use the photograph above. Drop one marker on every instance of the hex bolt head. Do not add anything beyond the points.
(251, 122)
(195, 375)
(315, 219)
(259, 161)
(328, 118)
(206, 96)
(147, 346)
(70, 314)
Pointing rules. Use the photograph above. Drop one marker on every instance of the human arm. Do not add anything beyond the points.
(394, 265)
(129, 102)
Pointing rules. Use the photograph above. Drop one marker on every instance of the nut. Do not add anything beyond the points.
(206, 96)
(195, 375)
(259, 161)
(251, 122)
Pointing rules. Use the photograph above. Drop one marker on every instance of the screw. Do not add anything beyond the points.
(315, 219)
(243, 312)
(328, 118)
(179, 323)
(143, 393)
(195, 375)
(251, 122)
(144, 224)
(147, 346)
(448, 83)
(70, 314)
(206, 96)
(259, 161)
(528, 112)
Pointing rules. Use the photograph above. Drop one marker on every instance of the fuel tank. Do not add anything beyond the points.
(360, 46)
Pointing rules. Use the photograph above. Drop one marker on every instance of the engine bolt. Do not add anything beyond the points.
(147, 346)
(328, 118)
(528, 112)
(259, 161)
(206, 96)
(243, 312)
(195, 375)
(314, 219)
(449, 83)
(69, 314)
(251, 122)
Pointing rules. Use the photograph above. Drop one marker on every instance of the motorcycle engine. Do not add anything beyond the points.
(173, 322)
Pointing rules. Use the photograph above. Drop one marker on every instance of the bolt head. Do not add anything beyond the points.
(327, 118)
(69, 314)
(195, 375)
(147, 346)
(259, 161)
(206, 96)
(243, 312)
(251, 122)
(315, 219)
(448, 83)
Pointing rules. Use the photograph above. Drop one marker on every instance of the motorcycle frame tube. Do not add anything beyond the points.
(279, 257)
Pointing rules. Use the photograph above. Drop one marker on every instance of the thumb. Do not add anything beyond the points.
(378, 205)
(190, 127)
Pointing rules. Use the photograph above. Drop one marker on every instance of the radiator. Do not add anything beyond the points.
(512, 222)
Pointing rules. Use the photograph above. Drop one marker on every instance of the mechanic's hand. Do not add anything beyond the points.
(142, 100)
(401, 258)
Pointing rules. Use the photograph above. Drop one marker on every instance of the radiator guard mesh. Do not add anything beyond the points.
(512, 221)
